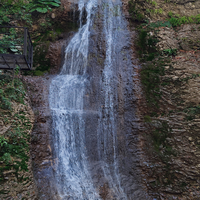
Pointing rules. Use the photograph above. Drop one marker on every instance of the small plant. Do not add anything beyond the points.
(170, 52)
(3, 141)
(154, 3)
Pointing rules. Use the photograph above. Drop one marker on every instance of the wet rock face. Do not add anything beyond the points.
(97, 114)
(56, 52)
(124, 88)
(41, 154)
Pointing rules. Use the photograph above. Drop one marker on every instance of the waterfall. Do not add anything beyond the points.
(66, 103)
(68, 97)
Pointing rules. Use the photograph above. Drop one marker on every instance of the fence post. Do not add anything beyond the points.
(25, 41)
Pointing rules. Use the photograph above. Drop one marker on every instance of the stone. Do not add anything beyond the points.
(53, 16)
(190, 138)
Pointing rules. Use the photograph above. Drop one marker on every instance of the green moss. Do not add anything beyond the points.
(39, 73)
(147, 118)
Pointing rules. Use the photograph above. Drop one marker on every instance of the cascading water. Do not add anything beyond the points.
(66, 102)
(86, 125)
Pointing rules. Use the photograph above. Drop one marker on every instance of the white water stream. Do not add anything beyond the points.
(67, 91)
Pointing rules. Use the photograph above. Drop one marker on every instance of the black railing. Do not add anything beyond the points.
(16, 48)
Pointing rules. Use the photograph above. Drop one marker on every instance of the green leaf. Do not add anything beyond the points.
(42, 10)
(57, 1)
(55, 4)
(14, 50)
(6, 158)
(33, 10)
(52, 3)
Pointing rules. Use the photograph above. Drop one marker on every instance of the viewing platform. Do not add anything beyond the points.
(16, 48)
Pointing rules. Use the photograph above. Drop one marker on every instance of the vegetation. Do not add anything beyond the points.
(43, 6)
(27, 13)
(176, 20)
(12, 41)
(14, 10)
(14, 146)
(154, 63)
(139, 13)
(135, 12)
(153, 69)
(160, 135)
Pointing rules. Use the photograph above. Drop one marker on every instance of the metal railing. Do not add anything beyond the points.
(16, 48)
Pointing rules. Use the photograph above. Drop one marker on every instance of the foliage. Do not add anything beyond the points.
(42, 6)
(159, 135)
(170, 52)
(14, 144)
(41, 61)
(10, 92)
(176, 20)
(155, 62)
(150, 78)
(135, 13)
(21, 10)
(159, 24)
(11, 41)
(14, 10)
(147, 118)
(139, 14)
(146, 44)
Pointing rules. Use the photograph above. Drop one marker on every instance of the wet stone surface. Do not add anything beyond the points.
(97, 118)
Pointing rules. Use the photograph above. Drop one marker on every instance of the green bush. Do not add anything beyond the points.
(43, 6)
(21, 10)
(175, 20)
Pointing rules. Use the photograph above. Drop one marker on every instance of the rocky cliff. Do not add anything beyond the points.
(168, 47)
